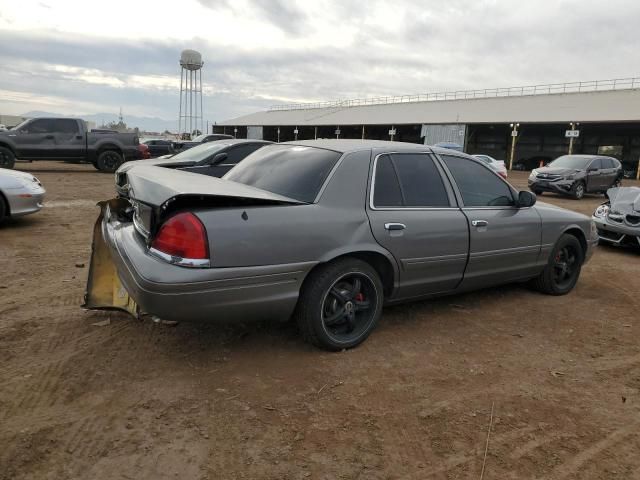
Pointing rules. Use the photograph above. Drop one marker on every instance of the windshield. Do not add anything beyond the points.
(293, 171)
(200, 152)
(17, 127)
(571, 161)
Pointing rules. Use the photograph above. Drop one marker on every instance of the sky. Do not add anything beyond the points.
(86, 57)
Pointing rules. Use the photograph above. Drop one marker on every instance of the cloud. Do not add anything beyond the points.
(283, 14)
(258, 53)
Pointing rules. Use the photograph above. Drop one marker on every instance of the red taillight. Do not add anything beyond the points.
(183, 236)
(144, 150)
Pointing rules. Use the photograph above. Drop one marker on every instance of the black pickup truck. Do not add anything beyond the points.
(68, 139)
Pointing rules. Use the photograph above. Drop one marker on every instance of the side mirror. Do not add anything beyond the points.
(526, 199)
(219, 158)
(592, 169)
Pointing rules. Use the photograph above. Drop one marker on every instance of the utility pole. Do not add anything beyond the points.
(514, 136)
(573, 129)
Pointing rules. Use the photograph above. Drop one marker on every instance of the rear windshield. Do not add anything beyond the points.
(571, 161)
(291, 170)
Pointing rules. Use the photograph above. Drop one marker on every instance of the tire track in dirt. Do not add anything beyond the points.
(578, 461)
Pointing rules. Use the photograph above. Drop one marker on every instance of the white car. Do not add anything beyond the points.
(20, 194)
(497, 165)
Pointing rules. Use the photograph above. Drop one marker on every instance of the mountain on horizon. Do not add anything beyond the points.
(148, 124)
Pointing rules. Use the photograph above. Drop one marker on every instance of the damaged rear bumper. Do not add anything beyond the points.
(124, 275)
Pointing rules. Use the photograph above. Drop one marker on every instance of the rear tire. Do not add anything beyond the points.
(563, 268)
(7, 158)
(578, 190)
(4, 209)
(340, 304)
(109, 161)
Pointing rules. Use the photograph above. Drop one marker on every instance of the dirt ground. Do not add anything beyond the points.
(87, 395)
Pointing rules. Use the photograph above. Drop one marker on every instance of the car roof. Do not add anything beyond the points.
(236, 141)
(354, 145)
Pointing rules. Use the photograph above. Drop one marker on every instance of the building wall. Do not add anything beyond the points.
(11, 120)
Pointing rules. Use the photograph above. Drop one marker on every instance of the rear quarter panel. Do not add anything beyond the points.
(275, 235)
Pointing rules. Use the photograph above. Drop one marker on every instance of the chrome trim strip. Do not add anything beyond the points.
(505, 251)
(182, 262)
(139, 227)
(440, 258)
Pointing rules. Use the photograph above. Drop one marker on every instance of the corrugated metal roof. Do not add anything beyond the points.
(601, 106)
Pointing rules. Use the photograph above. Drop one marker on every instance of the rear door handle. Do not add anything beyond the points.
(479, 223)
(394, 226)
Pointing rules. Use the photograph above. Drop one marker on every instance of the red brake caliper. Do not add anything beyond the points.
(360, 297)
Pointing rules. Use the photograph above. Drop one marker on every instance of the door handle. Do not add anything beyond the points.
(49, 137)
(479, 223)
(394, 226)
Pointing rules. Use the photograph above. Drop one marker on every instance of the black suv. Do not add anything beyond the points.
(576, 175)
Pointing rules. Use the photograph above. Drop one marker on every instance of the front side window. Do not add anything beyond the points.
(408, 180)
(479, 186)
(596, 164)
(290, 170)
(42, 125)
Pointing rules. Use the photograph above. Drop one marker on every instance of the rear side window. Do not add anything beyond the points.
(293, 171)
(609, 163)
(479, 186)
(386, 188)
(408, 180)
(65, 126)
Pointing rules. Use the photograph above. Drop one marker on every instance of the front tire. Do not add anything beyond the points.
(578, 190)
(7, 158)
(109, 161)
(563, 268)
(340, 304)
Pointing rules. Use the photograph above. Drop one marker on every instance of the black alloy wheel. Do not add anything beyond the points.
(562, 271)
(340, 304)
(349, 305)
(565, 265)
(7, 158)
(109, 161)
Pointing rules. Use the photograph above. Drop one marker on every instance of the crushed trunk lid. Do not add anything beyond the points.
(157, 186)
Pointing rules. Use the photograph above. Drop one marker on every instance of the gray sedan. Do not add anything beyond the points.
(20, 194)
(326, 232)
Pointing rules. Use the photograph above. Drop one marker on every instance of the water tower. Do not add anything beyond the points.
(190, 116)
